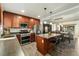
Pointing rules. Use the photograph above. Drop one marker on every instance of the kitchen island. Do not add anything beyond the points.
(43, 44)
(10, 47)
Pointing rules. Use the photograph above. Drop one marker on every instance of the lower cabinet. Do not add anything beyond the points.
(32, 37)
(42, 44)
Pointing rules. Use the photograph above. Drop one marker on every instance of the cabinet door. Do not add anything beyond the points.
(0, 13)
(19, 19)
(41, 44)
(16, 21)
(32, 37)
(37, 22)
(31, 23)
(8, 20)
(24, 20)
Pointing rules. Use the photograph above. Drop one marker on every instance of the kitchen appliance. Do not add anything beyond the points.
(23, 25)
(25, 38)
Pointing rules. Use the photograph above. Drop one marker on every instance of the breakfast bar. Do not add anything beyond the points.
(43, 42)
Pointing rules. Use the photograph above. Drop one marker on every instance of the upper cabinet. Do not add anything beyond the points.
(23, 19)
(18, 20)
(14, 20)
(1, 14)
(8, 20)
(31, 23)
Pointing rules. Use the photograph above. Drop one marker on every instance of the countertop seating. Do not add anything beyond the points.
(55, 41)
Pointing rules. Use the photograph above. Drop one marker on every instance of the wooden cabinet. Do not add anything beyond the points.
(42, 44)
(31, 23)
(19, 19)
(36, 22)
(45, 43)
(1, 14)
(8, 20)
(14, 20)
(32, 37)
(24, 19)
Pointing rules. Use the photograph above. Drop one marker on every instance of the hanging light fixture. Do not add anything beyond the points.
(45, 10)
(49, 13)
(45, 14)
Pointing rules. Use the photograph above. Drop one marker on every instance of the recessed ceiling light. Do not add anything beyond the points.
(45, 22)
(31, 19)
(22, 10)
(50, 23)
(38, 16)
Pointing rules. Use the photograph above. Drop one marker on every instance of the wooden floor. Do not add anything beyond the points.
(10, 47)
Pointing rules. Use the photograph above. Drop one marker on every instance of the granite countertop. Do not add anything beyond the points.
(49, 36)
(10, 47)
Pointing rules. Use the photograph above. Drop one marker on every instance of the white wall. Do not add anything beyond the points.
(41, 26)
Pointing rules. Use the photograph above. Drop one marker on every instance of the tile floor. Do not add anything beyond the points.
(30, 49)
(10, 47)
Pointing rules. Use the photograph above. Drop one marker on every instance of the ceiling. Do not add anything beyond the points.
(37, 9)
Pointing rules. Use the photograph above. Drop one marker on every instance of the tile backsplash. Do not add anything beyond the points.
(14, 30)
